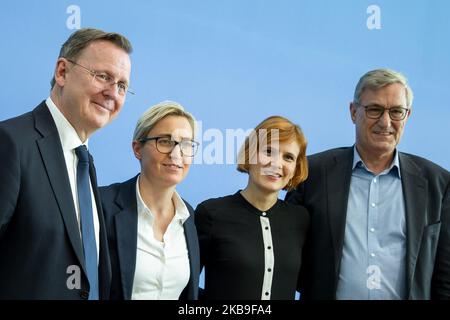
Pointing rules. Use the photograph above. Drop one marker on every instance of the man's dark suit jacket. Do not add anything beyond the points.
(427, 203)
(39, 234)
(120, 208)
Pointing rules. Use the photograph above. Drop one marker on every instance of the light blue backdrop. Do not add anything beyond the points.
(232, 63)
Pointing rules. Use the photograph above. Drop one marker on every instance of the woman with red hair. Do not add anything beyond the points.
(251, 242)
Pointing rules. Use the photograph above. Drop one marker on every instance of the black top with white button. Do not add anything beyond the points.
(233, 252)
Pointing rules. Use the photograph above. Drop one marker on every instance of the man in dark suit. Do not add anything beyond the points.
(45, 246)
(379, 217)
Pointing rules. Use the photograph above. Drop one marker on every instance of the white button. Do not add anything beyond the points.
(372, 229)
(264, 214)
(373, 204)
(375, 180)
(372, 254)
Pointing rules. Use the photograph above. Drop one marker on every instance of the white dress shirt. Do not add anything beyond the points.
(69, 141)
(162, 268)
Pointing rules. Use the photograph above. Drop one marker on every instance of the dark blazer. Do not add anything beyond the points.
(39, 233)
(233, 249)
(427, 203)
(120, 207)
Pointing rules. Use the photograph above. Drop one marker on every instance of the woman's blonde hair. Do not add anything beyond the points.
(156, 113)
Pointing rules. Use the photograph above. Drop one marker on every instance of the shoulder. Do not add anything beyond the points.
(427, 168)
(111, 191)
(18, 137)
(330, 154)
(328, 159)
(215, 206)
(22, 129)
(218, 202)
(24, 120)
(295, 210)
(16, 126)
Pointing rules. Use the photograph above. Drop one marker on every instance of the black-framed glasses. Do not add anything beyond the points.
(166, 145)
(374, 111)
(102, 80)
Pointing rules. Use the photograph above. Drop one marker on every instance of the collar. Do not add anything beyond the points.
(394, 164)
(67, 133)
(252, 208)
(181, 210)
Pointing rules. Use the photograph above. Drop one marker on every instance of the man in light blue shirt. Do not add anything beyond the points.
(374, 252)
(379, 217)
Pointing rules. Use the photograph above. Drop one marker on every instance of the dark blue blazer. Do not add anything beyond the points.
(40, 239)
(120, 208)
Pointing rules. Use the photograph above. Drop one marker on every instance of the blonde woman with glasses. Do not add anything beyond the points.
(151, 231)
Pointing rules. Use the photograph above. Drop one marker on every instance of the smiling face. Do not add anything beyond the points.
(86, 106)
(275, 166)
(377, 138)
(165, 170)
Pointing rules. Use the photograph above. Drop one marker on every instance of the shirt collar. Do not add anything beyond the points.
(67, 133)
(181, 210)
(395, 162)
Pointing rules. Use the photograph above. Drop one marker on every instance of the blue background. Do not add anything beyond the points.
(233, 63)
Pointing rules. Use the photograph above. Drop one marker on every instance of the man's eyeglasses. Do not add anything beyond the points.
(102, 80)
(374, 111)
(165, 145)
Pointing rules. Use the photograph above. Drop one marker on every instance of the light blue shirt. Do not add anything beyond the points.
(374, 252)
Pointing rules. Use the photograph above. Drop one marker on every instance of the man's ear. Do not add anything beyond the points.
(353, 111)
(409, 113)
(60, 71)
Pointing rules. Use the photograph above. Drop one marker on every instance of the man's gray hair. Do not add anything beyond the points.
(379, 78)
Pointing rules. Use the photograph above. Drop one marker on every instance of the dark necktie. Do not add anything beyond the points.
(87, 220)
